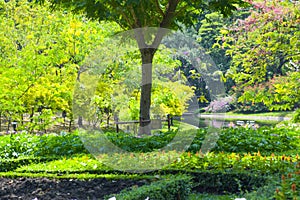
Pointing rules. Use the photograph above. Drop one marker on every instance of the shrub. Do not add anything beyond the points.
(222, 182)
(17, 145)
(65, 144)
(171, 187)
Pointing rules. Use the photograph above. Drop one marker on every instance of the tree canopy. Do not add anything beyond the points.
(137, 14)
(130, 14)
(265, 55)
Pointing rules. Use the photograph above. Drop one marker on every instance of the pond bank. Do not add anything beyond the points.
(244, 117)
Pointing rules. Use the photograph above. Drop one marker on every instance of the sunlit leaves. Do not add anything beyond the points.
(265, 46)
(41, 52)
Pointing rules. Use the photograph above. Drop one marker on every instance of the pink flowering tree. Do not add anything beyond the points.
(265, 51)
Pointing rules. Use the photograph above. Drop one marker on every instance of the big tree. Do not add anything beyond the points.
(136, 14)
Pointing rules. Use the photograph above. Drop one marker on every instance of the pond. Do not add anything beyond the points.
(202, 122)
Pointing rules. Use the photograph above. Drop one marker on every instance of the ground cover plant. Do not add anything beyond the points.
(248, 169)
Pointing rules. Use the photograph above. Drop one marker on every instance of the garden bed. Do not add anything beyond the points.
(64, 189)
(243, 163)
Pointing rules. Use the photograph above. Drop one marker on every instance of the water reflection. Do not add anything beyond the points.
(225, 123)
(217, 123)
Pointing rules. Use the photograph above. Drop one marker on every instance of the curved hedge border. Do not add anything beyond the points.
(171, 187)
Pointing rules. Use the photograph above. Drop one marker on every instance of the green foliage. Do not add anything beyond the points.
(220, 182)
(279, 93)
(19, 145)
(263, 139)
(170, 187)
(61, 145)
(78, 164)
(139, 14)
(289, 185)
(40, 56)
(131, 143)
(235, 162)
(265, 56)
(12, 164)
(147, 13)
(14, 146)
(296, 117)
(196, 196)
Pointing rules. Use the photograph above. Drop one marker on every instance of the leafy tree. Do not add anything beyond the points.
(280, 93)
(118, 90)
(147, 13)
(40, 57)
(264, 49)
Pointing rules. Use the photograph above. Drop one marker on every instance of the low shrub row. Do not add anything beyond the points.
(227, 182)
(242, 140)
(171, 187)
(12, 164)
(78, 164)
(254, 163)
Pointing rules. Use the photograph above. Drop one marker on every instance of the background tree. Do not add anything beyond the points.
(264, 49)
(40, 56)
(147, 13)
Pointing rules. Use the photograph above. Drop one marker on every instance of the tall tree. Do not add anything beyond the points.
(136, 14)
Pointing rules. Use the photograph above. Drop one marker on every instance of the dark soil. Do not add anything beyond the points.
(62, 189)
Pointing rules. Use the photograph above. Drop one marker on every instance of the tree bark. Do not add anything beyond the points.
(146, 86)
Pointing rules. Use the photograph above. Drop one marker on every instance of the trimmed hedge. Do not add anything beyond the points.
(171, 187)
(222, 182)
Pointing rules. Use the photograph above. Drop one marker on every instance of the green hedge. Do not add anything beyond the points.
(222, 182)
(12, 164)
(171, 187)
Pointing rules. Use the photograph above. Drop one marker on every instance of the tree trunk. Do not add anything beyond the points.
(70, 125)
(145, 101)
(80, 121)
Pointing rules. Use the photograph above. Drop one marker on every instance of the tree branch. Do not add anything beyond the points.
(170, 13)
(136, 20)
(159, 10)
(140, 38)
(115, 4)
(166, 22)
(183, 9)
